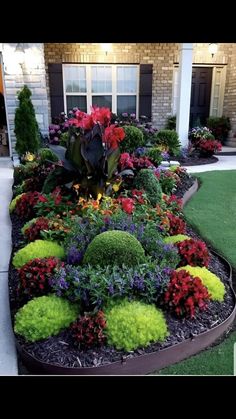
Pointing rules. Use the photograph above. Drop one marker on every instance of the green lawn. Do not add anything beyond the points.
(212, 212)
(216, 361)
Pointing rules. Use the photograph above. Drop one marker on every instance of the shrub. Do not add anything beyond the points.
(43, 317)
(37, 249)
(147, 181)
(25, 205)
(24, 171)
(193, 252)
(88, 330)
(214, 285)
(171, 122)
(220, 127)
(155, 155)
(47, 154)
(12, 205)
(133, 139)
(114, 248)
(95, 286)
(32, 231)
(34, 276)
(177, 225)
(131, 325)
(168, 180)
(26, 126)
(176, 239)
(169, 139)
(185, 294)
(27, 225)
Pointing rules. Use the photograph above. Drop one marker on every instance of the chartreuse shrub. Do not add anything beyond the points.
(133, 139)
(37, 249)
(114, 248)
(44, 316)
(130, 325)
(213, 284)
(12, 205)
(147, 181)
(176, 239)
(47, 154)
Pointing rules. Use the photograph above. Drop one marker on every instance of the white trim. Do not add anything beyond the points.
(221, 93)
(89, 93)
(6, 108)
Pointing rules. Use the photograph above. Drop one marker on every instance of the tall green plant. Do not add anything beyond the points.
(26, 126)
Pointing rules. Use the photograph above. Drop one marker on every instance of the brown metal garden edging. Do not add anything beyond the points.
(189, 193)
(147, 363)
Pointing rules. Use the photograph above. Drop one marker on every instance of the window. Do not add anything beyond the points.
(112, 86)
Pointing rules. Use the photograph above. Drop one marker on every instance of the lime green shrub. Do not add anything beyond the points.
(168, 138)
(133, 139)
(37, 249)
(47, 154)
(130, 325)
(14, 201)
(146, 180)
(213, 284)
(114, 247)
(176, 239)
(44, 316)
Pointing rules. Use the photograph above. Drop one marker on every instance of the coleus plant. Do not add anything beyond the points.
(93, 149)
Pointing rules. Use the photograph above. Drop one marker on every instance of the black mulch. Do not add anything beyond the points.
(186, 182)
(196, 161)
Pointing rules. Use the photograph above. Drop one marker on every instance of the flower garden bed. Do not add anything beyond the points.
(111, 285)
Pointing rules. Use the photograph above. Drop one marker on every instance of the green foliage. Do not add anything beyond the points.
(26, 126)
(64, 139)
(168, 138)
(37, 249)
(176, 239)
(130, 325)
(171, 122)
(220, 127)
(146, 180)
(24, 171)
(12, 204)
(213, 284)
(47, 154)
(43, 317)
(133, 139)
(28, 224)
(155, 155)
(114, 248)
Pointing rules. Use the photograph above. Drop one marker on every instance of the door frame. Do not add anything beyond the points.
(5, 101)
(221, 93)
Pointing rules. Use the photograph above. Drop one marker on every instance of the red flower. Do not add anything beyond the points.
(74, 122)
(102, 115)
(113, 135)
(193, 252)
(127, 204)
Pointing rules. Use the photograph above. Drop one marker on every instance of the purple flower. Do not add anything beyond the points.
(124, 114)
(132, 115)
(74, 256)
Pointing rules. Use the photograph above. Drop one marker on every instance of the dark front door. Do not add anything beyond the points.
(200, 95)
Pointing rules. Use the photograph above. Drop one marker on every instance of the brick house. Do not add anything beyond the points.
(152, 79)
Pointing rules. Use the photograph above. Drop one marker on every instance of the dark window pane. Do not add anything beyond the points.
(126, 104)
(76, 101)
(102, 101)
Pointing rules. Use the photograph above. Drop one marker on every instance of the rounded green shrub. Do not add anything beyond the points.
(114, 247)
(176, 239)
(168, 138)
(146, 180)
(133, 139)
(213, 284)
(44, 316)
(37, 249)
(47, 154)
(14, 201)
(130, 325)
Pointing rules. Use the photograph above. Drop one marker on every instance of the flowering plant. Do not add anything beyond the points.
(193, 252)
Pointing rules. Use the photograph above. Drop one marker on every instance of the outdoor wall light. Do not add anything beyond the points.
(20, 54)
(106, 48)
(213, 49)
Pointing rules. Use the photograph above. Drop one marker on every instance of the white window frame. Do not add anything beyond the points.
(89, 93)
(213, 111)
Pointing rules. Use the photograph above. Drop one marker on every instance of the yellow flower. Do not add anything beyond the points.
(29, 156)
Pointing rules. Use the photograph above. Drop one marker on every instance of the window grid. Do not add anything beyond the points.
(89, 94)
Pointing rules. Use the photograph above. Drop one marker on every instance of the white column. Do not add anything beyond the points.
(184, 94)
